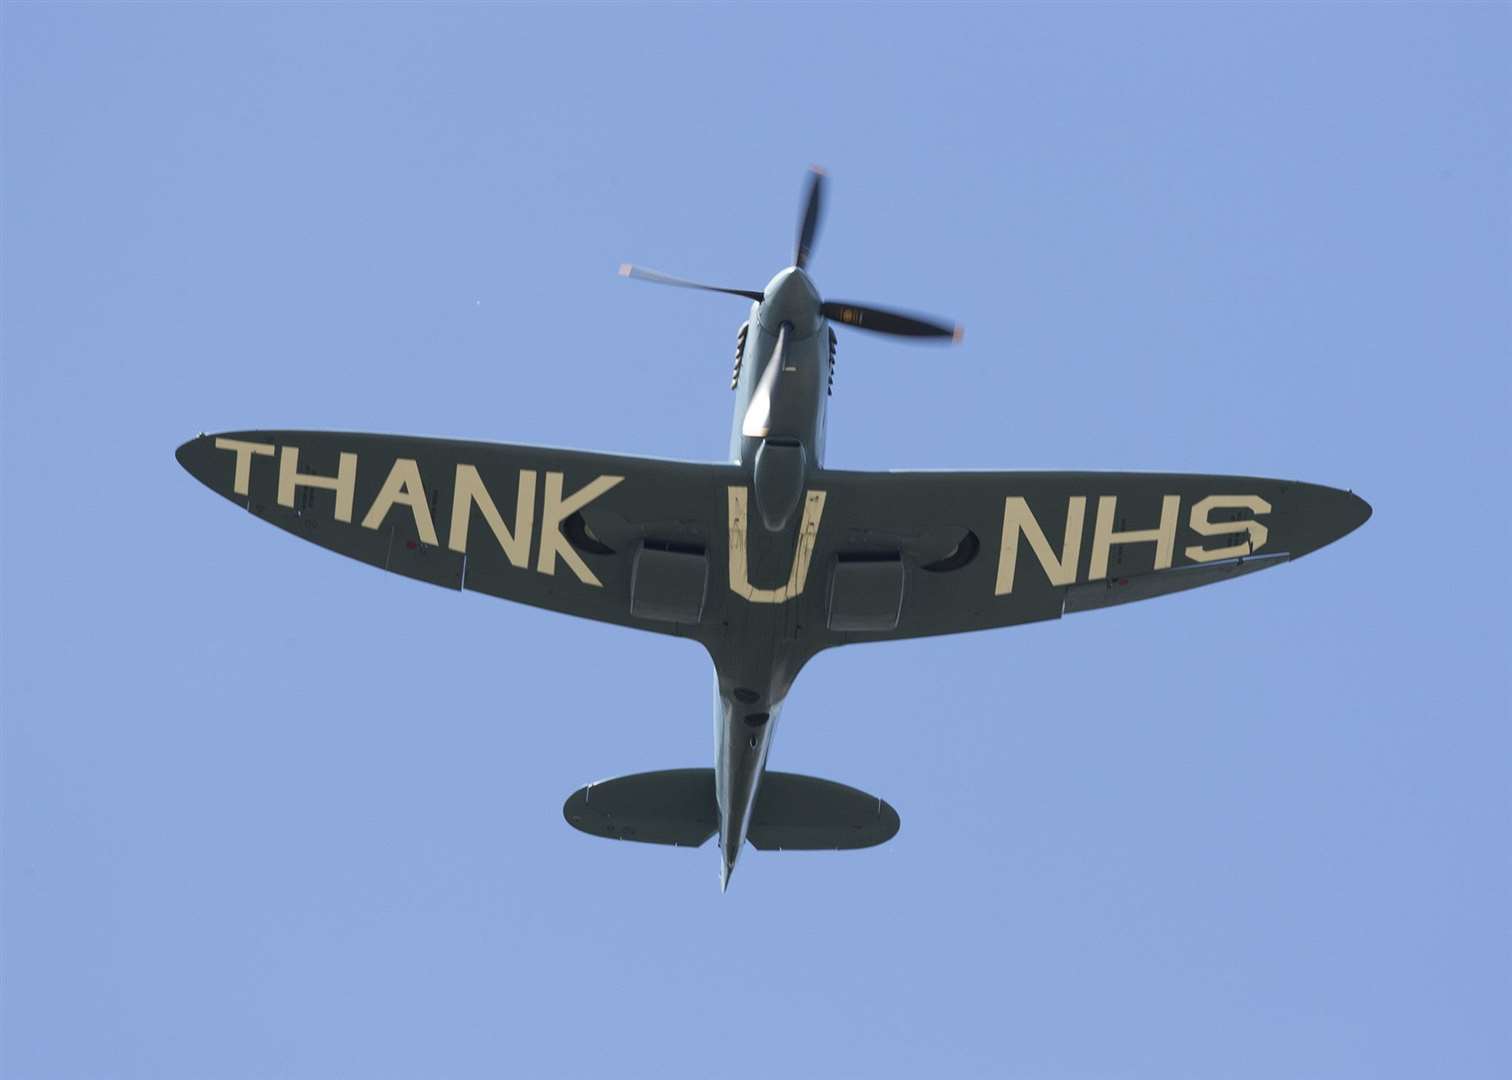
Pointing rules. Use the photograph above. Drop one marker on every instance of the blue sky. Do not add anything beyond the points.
(267, 813)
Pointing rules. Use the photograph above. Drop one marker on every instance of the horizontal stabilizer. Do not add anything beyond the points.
(677, 806)
(804, 813)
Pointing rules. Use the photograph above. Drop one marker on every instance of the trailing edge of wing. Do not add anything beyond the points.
(1124, 590)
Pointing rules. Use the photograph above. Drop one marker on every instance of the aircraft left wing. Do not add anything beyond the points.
(922, 553)
(558, 529)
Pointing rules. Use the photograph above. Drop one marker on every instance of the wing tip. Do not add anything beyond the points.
(190, 455)
(1359, 512)
(1326, 515)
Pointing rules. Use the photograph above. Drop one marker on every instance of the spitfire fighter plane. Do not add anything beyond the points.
(768, 558)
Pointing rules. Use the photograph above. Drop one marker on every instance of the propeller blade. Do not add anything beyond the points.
(757, 423)
(882, 321)
(642, 274)
(812, 210)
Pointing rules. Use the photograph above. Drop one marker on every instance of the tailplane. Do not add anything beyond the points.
(677, 806)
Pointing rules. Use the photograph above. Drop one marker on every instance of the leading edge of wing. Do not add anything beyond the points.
(183, 454)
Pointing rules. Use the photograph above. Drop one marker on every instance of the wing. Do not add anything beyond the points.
(559, 529)
(918, 553)
(671, 547)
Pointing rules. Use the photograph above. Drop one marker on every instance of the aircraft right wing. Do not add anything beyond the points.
(600, 536)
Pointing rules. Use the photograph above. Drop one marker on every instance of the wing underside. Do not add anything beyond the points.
(558, 529)
(674, 546)
(915, 554)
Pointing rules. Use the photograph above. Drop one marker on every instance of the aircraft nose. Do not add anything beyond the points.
(790, 297)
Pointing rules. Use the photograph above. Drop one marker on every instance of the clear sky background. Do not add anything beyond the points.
(269, 813)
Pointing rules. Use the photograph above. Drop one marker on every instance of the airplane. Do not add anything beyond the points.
(769, 557)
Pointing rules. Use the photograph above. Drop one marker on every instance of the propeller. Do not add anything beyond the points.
(861, 316)
(640, 273)
(813, 207)
(881, 321)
